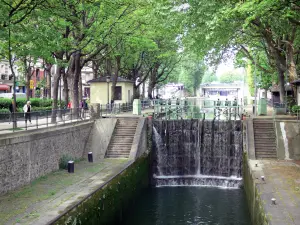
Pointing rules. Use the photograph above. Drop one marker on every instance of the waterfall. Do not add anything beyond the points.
(197, 153)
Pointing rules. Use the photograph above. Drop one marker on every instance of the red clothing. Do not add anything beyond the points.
(69, 105)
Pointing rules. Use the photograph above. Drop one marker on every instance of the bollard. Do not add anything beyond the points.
(90, 157)
(273, 201)
(71, 166)
(262, 178)
(256, 165)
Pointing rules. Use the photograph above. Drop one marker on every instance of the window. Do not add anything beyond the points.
(3, 77)
(118, 93)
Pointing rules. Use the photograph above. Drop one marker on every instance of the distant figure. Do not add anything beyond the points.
(27, 110)
(11, 110)
(226, 102)
(69, 106)
(218, 102)
(234, 102)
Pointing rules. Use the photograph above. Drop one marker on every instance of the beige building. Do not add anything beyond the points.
(100, 94)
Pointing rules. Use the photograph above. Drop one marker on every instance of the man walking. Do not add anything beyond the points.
(27, 109)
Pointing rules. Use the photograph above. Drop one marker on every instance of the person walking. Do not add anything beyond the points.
(27, 110)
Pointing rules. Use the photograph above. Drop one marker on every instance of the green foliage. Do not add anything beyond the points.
(230, 77)
(63, 161)
(209, 77)
(250, 80)
(295, 108)
(36, 103)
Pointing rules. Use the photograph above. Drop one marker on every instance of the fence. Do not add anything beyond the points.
(198, 109)
(40, 119)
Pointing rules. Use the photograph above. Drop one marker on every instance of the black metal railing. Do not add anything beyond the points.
(41, 119)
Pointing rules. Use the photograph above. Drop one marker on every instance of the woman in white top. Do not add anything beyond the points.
(27, 110)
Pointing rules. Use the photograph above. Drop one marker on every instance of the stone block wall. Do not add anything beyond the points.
(288, 140)
(28, 155)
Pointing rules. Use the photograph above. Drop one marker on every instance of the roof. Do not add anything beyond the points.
(296, 82)
(275, 88)
(103, 79)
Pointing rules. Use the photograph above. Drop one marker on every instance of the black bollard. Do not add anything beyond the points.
(71, 166)
(90, 157)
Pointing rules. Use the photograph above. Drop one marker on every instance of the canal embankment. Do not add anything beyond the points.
(272, 187)
(97, 192)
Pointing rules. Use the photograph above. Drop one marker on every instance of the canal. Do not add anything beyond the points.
(189, 205)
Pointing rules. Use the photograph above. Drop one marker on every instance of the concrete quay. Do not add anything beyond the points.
(277, 179)
(47, 197)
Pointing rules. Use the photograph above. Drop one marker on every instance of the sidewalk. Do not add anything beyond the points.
(282, 182)
(48, 196)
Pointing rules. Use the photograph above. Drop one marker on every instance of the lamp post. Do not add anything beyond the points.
(107, 81)
(286, 100)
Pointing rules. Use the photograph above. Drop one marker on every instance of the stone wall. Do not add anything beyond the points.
(252, 186)
(139, 145)
(288, 140)
(100, 137)
(108, 204)
(25, 156)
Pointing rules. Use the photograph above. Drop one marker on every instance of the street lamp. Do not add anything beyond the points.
(286, 87)
(107, 81)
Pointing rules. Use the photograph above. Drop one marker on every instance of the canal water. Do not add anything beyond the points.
(189, 205)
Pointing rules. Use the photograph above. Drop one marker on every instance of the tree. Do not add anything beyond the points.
(209, 77)
(252, 30)
(231, 76)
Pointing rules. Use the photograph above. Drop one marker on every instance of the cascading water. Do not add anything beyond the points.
(197, 153)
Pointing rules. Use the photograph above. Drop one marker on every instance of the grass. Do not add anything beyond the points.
(16, 203)
(16, 129)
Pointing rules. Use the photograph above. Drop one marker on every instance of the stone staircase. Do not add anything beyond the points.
(121, 141)
(264, 139)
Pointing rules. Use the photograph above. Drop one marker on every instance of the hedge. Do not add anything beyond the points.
(36, 103)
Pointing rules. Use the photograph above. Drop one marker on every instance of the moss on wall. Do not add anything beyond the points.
(256, 208)
(106, 206)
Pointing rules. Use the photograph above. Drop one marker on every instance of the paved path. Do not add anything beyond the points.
(282, 182)
(45, 197)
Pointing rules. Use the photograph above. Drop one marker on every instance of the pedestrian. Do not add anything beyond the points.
(11, 110)
(27, 110)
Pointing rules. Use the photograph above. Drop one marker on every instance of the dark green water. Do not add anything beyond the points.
(189, 205)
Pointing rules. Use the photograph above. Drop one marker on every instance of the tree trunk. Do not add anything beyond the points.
(48, 81)
(55, 93)
(80, 87)
(281, 86)
(95, 68)
(65, 88)
(115, 77)
(73, 80)
(144, 90)
(150, 89)
(266, 93)
(136, 92)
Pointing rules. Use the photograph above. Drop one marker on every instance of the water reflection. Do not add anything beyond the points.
(189, 205)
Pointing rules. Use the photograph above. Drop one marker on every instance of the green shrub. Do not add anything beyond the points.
(295, 108)
(63, 161)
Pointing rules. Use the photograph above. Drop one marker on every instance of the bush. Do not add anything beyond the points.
(295, 108)
(63, 161)
(35, 103)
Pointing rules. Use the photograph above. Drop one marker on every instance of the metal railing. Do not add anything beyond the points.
(41, 119)
(198, 109)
